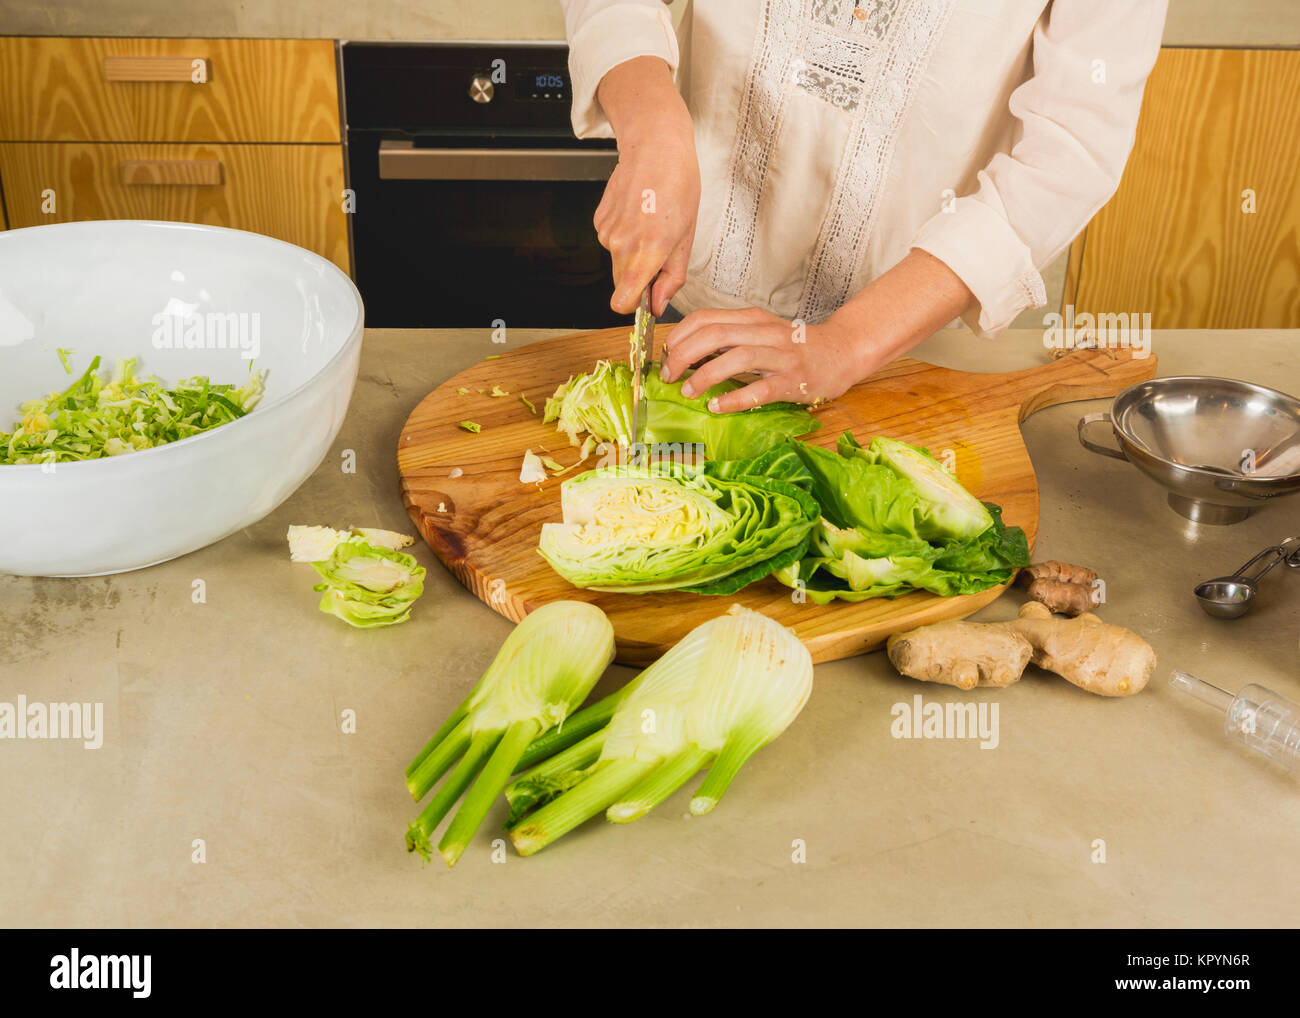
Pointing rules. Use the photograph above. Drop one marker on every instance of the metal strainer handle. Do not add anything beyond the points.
(1101, 450)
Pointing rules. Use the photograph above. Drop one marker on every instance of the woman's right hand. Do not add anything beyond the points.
(646, 218)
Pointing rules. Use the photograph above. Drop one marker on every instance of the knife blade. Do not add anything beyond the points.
(640, 357)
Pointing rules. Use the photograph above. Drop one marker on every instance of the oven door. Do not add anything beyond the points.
(469, 235)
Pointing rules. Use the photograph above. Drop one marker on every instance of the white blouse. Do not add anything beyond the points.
(834, 137)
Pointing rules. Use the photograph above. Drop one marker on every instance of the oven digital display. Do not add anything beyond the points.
(544, 85)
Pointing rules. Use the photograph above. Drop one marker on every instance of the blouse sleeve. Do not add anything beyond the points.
(1077, 118)
(603, 34)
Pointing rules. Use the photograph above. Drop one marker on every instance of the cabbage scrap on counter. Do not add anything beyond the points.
(368, 581)
(96, 417)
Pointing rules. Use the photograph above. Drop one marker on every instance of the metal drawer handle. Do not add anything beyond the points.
(401, 160)
(1093, 446)
(172, 172)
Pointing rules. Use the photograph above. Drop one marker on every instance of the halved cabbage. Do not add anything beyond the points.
(664, 526)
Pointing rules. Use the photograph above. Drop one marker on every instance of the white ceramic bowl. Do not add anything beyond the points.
(112, 288)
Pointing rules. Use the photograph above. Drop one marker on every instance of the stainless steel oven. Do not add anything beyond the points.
(473, 199)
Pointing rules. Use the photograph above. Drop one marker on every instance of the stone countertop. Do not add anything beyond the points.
(222, 723)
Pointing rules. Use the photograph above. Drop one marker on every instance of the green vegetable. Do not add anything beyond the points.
(543, 671)
(599, 403)
(664, 526)
(893, 520)
(731, 686)
(315, 544)
(673, 418)
(782, 462)
(368, 586)
(945, 509)
(856, 564)
(532, 409)
(96, 417)
(471, 426)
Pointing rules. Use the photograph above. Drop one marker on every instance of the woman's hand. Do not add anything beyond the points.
(795, 362)
(646, 218)
(813, 363)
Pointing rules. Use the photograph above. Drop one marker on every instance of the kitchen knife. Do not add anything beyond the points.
(640, 357)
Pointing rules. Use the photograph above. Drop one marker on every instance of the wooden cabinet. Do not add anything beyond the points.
(1202, 231)
(61, 89)
(285, 191)
(241, 133)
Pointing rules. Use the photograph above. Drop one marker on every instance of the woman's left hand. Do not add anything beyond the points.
(813, 363)
(796, 362)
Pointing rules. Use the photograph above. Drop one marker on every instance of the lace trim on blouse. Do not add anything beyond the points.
(863, 59)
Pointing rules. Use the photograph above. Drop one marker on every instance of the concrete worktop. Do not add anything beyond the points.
(223, 732)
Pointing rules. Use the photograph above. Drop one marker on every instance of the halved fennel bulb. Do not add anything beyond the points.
(732, 685)
(543, 671)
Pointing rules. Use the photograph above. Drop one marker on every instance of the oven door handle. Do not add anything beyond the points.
(401, 160)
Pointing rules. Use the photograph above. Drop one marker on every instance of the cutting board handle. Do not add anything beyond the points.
(1083, 374)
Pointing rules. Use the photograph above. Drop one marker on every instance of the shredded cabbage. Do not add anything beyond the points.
(96, 417)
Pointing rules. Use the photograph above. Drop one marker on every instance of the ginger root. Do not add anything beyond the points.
(1094, 655)
(1063, 587)
(1064, 572)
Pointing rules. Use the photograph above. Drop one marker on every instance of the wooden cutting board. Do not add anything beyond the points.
(484, 524)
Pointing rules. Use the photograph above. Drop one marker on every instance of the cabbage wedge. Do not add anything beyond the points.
(730, 686)
(543, 671)
(893, 520)
(664, 526)
(599, 403)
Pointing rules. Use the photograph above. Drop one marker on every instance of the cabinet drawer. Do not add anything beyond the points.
(292, 192)
(90, 89)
